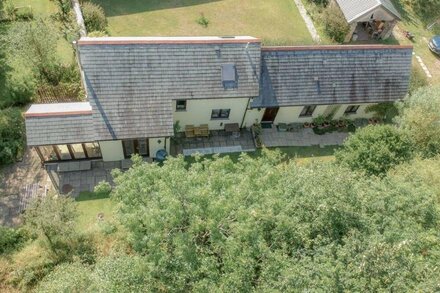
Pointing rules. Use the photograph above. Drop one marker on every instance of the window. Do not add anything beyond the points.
(220, 113)
(92, 149)
(307, 111)
(352, 109)
(181, 105)
(77, 151)
(229, 77)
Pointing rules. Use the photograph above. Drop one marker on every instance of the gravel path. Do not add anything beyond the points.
(308, 21)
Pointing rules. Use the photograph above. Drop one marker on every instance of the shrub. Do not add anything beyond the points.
(97, 34)
(320, 2)
(375, 149)
(12, 144)
(68, 277)
(383, 111)
(9, 10)
(420, 117)
(335, 25)
(24, 14)
(203, 21)
(418, 79)
(103, 189)
(10, 239)
(94, 17)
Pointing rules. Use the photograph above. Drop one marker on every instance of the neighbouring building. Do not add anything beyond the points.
(138, 88)
(369, 19)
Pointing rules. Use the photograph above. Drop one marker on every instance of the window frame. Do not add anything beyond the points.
(226, 113)
(305, 112)
(353, 109)
(181, 109)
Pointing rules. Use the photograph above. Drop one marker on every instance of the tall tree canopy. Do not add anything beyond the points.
(260, 224)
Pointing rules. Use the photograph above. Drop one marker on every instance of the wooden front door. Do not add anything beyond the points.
(270, 114)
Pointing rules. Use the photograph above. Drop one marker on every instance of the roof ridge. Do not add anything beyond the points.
(334, 47)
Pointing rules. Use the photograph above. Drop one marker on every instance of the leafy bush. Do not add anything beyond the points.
(375, 149)
(420, 117)
(12, 142)
(9, 10)
(383, 111)
(320, 2)
(94, 17)
(335, 25)
(418, 79)
(103, 189)
(203, 21)
(67, 277)
(24, 14)
(258, 225)
(97, 34)
(10, 239)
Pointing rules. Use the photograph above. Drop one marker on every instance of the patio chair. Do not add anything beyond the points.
(189, 131)
(204, 130)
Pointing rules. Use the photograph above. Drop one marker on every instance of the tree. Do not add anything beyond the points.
(260, 224)
(375, 149)
(53, 219)
(335, 25)
(12, 143)
(94, 17)
(36, 44)
(420, 117)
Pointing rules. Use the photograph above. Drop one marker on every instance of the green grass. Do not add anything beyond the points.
(274, 21)
(417, 25)
(301, 155)
(89, 206)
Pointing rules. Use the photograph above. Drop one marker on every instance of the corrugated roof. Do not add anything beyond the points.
(323, 75)
(131, 82)
(59, 124)
(353, 9)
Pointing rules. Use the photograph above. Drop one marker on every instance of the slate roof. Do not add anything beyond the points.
(131, 82)
(59, 124)
(353, 9)
(322, 75)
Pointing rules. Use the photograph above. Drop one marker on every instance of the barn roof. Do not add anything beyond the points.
(322, 75)
(131, 82)
(353, 9)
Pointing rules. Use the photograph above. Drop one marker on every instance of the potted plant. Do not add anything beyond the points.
(307, 125)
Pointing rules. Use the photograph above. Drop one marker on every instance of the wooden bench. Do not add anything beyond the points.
(189, 131)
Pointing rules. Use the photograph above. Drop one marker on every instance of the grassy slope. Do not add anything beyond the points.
(275, 21)
(415, 25)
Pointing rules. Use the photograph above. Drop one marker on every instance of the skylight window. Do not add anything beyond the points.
(229, 77)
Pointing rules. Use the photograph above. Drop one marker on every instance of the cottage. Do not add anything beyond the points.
(138, 88)
(368, 18)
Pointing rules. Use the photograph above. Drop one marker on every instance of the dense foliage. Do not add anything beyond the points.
(94, 17)
(10, 239)
(375, 149)
(335, 25)
(260, 225)
(11, 135)
(53, 220)
(420, 117)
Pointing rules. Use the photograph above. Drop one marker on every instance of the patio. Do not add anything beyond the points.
(304, 137)
(219, 141)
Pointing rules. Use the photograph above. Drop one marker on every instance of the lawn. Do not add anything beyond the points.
(89, 206)
(274, 21)
(301, 155)
(416, 26)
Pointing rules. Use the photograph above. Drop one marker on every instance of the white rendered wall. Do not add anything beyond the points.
(111, 150)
